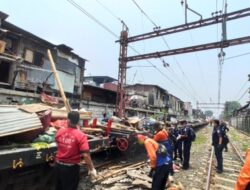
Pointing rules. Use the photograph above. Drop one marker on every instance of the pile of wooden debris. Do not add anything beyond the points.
(127, 176)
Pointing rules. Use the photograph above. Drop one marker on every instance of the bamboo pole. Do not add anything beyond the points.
(58, 82)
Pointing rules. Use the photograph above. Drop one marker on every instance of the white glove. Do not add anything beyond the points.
(92, 173)
(178, 138)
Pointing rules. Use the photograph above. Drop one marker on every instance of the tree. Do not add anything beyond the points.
(208, 113)
(230, 107)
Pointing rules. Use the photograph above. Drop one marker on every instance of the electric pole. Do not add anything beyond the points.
(120, 97)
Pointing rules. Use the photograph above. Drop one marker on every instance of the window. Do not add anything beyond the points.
(36, 58)
(28, 56)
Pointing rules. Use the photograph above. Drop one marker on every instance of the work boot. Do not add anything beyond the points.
(219, 171)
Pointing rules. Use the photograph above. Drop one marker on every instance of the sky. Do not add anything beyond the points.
(192, 77)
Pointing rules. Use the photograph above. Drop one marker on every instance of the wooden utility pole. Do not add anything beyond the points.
(58, 82)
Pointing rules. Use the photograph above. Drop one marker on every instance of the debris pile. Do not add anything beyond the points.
(126, 176)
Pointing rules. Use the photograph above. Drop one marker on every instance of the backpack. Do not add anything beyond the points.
(192, 134)
(225, 139)
(162, 151)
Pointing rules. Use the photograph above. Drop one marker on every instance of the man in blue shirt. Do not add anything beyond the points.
(187, 143)
(217, 143)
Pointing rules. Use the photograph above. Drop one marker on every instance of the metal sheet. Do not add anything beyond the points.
(14, 121)
(67, 81)
(65, 65)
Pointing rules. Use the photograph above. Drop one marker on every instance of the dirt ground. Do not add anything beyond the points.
(193, 178)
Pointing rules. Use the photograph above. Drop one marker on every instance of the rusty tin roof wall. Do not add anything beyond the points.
(14, 121)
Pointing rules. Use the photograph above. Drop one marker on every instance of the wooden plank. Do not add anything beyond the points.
(119, 171)
(141, 183)
(91, 130)
(141, 176)
(34, 108)
(113, 180)
(58, 82)
(63, 114)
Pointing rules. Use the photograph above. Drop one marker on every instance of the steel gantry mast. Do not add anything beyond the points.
(125, 40)
(120, 98)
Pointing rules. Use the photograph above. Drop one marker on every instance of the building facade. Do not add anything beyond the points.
(24, 63)
(175, 106)
(151, 96)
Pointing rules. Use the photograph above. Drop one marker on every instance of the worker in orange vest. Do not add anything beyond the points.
(159, 161)
(243, 181)
(162, 136)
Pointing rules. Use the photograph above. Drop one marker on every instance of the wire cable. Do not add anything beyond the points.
(120, 20)
(143, 12)
(110, 12)
(243, 94)
(138, 6)
(236, 56)
(92, 18)
(116, 36)
(167, 45)
(243, 86)
(163, 74)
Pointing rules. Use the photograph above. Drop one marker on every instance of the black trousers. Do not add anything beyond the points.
(219, 158)
(67, 177)
(160, 177)
(178, 150)
(186, 153)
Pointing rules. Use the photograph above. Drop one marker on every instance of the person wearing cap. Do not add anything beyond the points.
(72, 144)
(159, 162)
(162, 136)
(217, 140)
(243, 181)
(187, 143)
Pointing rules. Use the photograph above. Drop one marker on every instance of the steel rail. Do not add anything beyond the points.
(209, 170)
(237, 152)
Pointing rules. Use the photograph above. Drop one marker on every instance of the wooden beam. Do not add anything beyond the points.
(58, 82)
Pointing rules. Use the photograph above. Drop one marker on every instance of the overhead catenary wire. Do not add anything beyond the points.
(169, 79)
(154, 66)
(199, 64)
(96, 20)
(243, 94)
(236, 56)
(116, 36)
(93, 18)
(120, 20)
(143, 12)
(110, 12)
(167, 45)
(242, 87)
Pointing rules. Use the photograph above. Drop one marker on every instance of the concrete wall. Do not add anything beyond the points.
(97, 109)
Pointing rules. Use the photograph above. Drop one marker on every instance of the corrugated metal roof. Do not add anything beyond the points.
(14, 121)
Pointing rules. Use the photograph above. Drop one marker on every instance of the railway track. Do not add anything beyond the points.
(232, 163)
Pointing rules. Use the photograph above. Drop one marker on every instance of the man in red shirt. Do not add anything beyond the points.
(71, 145)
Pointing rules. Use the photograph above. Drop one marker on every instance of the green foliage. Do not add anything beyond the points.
(230, 107)
(208, 113)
